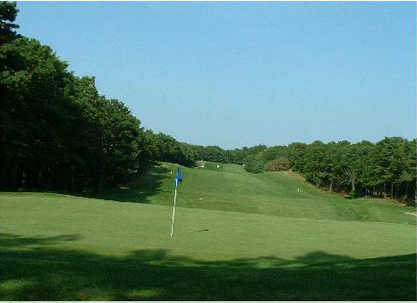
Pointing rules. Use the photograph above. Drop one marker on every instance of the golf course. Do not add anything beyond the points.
(237, 236)
(207, 151)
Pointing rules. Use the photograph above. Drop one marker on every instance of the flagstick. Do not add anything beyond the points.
(173, 209)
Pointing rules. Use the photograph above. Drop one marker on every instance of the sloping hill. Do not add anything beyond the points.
(231, 188)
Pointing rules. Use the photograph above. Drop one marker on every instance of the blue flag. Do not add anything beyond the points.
(178, 178)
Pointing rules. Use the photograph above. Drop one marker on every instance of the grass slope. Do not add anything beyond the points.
(225, 247)
(231, 188)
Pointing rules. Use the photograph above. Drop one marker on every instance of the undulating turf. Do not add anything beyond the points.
(231, 188)
(237, 236)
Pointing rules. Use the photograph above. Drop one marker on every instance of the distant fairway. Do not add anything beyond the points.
(231, 188)
(237, 236)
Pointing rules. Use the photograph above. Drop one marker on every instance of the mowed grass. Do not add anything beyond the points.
(231, 188)
(225, 246)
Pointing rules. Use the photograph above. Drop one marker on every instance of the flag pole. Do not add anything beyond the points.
(173, 209)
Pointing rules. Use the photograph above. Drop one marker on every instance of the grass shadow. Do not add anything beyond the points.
(30, 270)
(138, 191)
(10, 240)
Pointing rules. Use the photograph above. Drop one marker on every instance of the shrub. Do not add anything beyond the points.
(353, 194)
(254, 164)
(278, 164)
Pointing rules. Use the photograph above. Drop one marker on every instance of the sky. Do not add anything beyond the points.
(242, 74)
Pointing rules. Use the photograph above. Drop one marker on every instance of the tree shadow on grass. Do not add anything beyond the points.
(33, 272)
(8, 241)
(139, 190)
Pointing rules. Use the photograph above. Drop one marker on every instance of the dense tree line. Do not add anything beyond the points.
(57, 131)
(385, 168)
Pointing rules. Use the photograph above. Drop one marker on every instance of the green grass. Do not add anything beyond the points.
(250, 237)
(231, 188)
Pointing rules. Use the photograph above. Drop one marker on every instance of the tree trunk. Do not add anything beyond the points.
(19, 177)
(72, 177)
(331, 186)
(406, 189)
(6, 175)
(12, 177)
(100, 179)
(392, 190)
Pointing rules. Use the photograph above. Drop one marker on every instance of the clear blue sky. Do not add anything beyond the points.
(240, 74)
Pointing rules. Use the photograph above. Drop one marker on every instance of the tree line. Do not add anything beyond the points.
(58, 133)
(386, 168)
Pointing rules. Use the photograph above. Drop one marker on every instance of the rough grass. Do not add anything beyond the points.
(248, 238)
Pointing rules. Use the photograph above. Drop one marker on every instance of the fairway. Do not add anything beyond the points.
(231, 188)
(205, 152)
(238, 236)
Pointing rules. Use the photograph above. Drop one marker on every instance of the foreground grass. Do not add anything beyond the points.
(59, 247)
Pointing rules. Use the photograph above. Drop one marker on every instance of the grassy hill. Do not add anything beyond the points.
(237, 236)
(231, 188)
